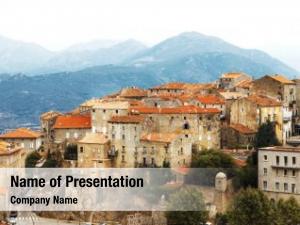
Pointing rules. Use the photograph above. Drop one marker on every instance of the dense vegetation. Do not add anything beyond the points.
(32, 159)
(252, 207)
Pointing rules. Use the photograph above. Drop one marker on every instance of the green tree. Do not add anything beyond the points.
(266, 135)
(221, 219)
(288, 212)
(211, 162)
(50, 163)
(32, 159)
(251, 207)
(247, 175)
(187, 198)
(212, 159)
(71, 152)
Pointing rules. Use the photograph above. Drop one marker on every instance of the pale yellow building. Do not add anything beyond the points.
(94, 151)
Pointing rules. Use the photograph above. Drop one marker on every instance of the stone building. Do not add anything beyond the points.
(124, 133)
(163, 101)
(133, 93)
(102, 113)
(93, 151)
(230, 80)
(71, 128)
(255, 110)
(165, 149)
(279, 171)
(11, 155)
(230, 97)
(277, 87)
(244, 87)
(210, 101)
(47, 121)
(27, 139)
(237, 136)
(202, 124)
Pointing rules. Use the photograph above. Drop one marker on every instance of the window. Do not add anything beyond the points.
(152, 161)
(184, 118)
(285, 172)
(265, 171)
(294, 173)
(112, 128)
(277, 160)
(123, 158)
(93, 110)
(265, 157)
(181, 151)
(286, 187)
(208, 128)
(81, 149)
(200, 117)
(123, 136)
(113, 136)
(293, 188)
(104, 111)
(123, 127)
(265, 184)
(117, 111)
(277, 185)
(285, 160)
(67, 135)
(294, 160)
(75, 135)
(123, 148)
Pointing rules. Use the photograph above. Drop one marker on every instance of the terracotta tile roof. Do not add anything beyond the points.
(188, 109)
(127, 119)
(263, 101)
(232, 75)
(73, 121)
(181, 170)
(282, 79)
(242, 129)
(240, 162)
(21, 133)
(94, 138)
(245, 84)
(133, 92)
(159, 137)
(210, 99)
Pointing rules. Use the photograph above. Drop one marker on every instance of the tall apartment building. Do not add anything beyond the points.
(279, 172)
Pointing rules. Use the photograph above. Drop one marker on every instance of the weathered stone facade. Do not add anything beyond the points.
(255, 110)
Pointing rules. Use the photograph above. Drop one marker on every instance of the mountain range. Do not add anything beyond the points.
(97, 68)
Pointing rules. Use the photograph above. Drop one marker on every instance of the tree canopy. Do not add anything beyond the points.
(187, 198)
(266, 135)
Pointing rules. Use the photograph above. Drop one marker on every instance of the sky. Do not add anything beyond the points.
(270, 25)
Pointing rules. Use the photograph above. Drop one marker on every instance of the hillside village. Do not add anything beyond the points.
(165, 125)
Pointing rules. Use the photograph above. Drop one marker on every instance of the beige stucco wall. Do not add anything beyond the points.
(69, 135)
(275, 173)
(93, 155)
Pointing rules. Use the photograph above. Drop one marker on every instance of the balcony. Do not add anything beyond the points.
(279, 166)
